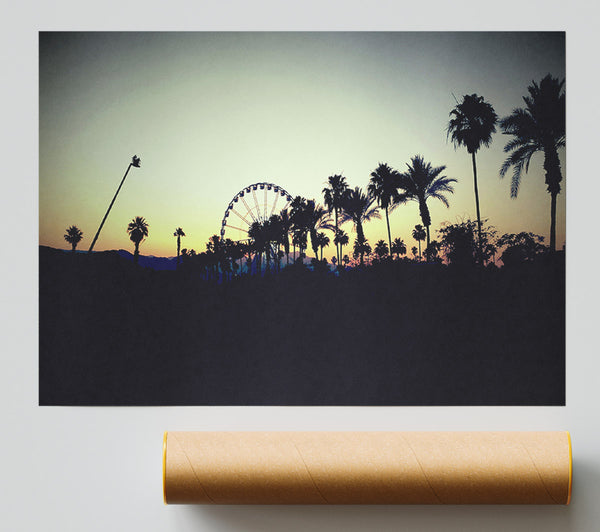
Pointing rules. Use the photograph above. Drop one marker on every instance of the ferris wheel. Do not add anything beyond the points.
(255, 203)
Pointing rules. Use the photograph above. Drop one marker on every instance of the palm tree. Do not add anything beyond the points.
(414, 251)
(334, 197)
(286, 226)
(135, 162)
(398, 247)
(138, 230)
(421, 182)
(360, 249)
(275, 237)
(473, 123)
(323, 242)
(178, 233)
(419, 235)
(381, 249)
(540, 126)
(73, 236)
(299, 224)
(341, 239)
(257, 234)
(358, 208)
(315, 217)
(384, 187)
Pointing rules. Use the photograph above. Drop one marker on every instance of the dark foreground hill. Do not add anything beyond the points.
(393, 334)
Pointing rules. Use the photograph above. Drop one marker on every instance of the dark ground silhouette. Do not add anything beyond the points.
(393, 334)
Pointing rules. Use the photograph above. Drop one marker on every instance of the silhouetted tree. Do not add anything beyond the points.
(540, 126)
(286, 226)
(138, 230)
(422, 181)
(322, 241)
(460, 245)
(383, 185)
(521, 247)
(398, 247)
(341, 239)
(359, 208)
(178, 233)
(432, 251)
(414, 251)
(381, 249)
(334, 196)
(73, 236)
(473, 123)
(258, 236)
(419, 234)
(316, 218)
(299, 224)
(361, 248)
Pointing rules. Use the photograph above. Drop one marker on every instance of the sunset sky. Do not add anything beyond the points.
(210, 113)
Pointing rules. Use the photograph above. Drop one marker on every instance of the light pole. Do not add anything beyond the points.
(135, 161)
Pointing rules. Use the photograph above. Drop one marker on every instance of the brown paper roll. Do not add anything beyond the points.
(367, 467)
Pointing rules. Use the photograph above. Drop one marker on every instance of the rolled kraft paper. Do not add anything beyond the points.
(367, 467)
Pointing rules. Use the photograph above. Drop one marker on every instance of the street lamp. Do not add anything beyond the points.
(135, 161)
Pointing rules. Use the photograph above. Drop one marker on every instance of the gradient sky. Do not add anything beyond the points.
(210, 113)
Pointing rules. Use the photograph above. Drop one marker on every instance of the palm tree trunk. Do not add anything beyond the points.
(136, 253)
(109, 208)
(337, 245)
(478, 213)
(553, 222)
(426, 252)
(387, 219)
(420, 256)
(178, 248)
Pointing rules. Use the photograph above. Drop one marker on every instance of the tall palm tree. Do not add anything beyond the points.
(299, 223)
(334, 196)
(138, 230)
(383, 186)
(316, 218)
(398, 247)
(419, 235)
(73, 236)
(421, 182)
(473, 123)
(540, 126)
(286, 226)
(358, 208)
(178, 233)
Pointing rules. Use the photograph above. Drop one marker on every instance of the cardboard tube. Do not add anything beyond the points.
(367, 467)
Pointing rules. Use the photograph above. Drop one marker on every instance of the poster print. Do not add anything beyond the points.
(302, 218)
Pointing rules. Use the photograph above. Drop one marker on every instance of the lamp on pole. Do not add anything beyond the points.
(135, 161)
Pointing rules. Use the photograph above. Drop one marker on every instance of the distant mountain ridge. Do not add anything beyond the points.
(146, 261)
(150, 261)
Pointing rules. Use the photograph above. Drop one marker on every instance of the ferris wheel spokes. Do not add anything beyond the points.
(261, 211)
